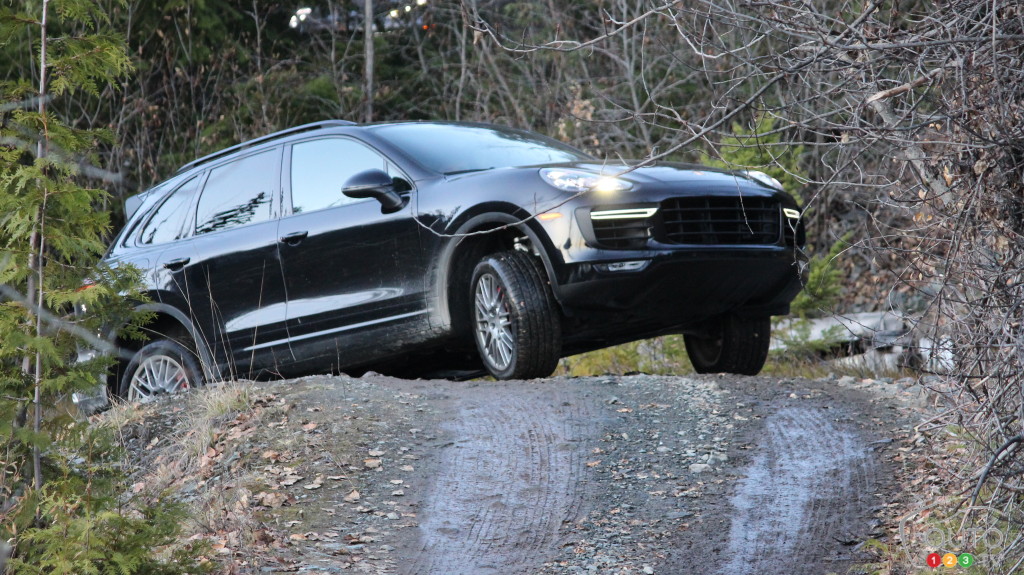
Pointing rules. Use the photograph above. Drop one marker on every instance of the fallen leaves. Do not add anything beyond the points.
(271, 499)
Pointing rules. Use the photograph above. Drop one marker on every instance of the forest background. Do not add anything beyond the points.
(898, 124)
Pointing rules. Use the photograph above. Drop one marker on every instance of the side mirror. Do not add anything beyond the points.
(375, 184)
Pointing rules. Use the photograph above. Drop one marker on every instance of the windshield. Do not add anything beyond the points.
(452, 148)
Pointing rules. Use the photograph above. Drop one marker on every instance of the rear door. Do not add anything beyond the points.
(354, 275)
(234, 275)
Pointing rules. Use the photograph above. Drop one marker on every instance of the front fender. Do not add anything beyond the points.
(454, 246)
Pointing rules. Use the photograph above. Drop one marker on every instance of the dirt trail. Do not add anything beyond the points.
(644, 474)
(505, 486)
(567, 476)
(808, 482)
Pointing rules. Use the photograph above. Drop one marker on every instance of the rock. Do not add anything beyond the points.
(699, 467)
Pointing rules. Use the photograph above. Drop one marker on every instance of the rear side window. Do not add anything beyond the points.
(238, 193)
(168, 221)
(321, 167)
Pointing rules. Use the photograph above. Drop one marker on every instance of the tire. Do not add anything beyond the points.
(162, 366)
(515, 320)
(731, 345)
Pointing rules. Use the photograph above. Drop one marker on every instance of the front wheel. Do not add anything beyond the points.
(730, 344)
(516, 323)
(162, 366)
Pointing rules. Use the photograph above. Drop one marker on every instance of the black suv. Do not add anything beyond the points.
(447, 249)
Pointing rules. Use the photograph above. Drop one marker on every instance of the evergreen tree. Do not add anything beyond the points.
(60, 488)
(762, 148)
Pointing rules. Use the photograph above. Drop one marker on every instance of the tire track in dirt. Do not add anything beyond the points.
(504, 487)
(808, 483)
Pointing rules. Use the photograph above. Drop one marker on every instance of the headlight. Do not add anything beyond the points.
(764, 179)
(576, 181)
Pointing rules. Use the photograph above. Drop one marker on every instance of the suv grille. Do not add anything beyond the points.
(721, 220)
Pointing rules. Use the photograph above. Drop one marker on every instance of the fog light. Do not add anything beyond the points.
(633, 266)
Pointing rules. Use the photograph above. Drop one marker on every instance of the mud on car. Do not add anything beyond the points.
(446, 249)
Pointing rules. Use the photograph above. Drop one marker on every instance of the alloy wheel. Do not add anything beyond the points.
(494, 328)
(156, 375)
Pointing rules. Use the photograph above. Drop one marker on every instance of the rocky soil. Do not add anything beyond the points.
(635, 474)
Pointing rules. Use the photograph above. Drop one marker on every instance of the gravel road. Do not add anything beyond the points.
(637, 474)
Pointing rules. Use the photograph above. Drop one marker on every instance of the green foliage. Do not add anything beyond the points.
(762, 148)
(661, 356)
(823, 288)
(61, 486)
(83, 527)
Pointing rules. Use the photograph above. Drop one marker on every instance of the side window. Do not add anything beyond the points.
(321, 167)
(168, 221)
(238, 193)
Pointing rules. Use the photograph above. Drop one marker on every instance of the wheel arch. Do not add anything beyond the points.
(170, 322)
(461, 254)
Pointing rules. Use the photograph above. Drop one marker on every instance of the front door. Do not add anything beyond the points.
(354, 275)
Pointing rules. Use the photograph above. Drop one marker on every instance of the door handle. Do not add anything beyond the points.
(294, 238)
(177, 263)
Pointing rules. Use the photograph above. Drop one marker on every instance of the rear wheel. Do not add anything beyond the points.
(162, 366)
(516, 323)
(730, 344)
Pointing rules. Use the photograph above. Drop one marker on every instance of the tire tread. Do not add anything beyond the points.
(538, 323)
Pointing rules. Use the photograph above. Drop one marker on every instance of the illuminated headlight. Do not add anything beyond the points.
(576, 181)
(764, 179)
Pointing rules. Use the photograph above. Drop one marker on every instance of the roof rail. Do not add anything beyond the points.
(267, 138)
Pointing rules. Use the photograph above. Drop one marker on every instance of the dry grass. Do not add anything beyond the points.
(207, 408)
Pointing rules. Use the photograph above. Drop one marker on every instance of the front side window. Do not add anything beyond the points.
(168, 221)
(321, 167)
(238, 193)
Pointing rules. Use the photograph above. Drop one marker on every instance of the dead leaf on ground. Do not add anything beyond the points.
(272, 499)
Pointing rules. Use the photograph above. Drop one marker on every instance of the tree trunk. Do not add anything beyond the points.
(36, 262)
(368, 55)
